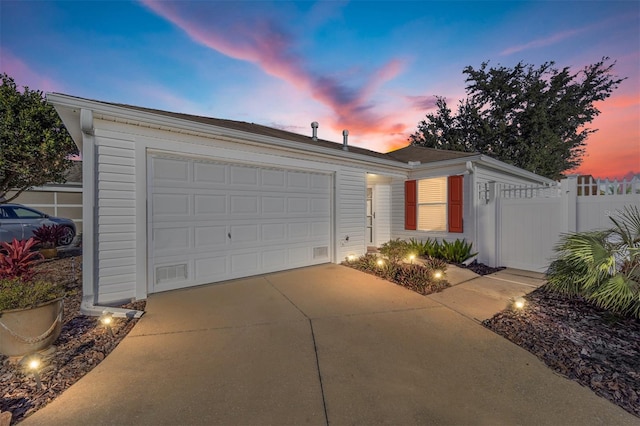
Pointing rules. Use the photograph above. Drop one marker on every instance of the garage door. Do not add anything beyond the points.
(211, 221)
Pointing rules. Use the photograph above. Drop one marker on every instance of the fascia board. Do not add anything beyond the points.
(135, 117)
(513, 170)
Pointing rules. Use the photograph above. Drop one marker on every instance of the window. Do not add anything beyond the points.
(434, 204)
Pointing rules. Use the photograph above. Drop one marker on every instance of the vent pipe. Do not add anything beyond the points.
(345, 136)
(314, 130)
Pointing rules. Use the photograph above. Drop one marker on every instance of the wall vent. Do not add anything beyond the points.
(171, 273)
(321, 252)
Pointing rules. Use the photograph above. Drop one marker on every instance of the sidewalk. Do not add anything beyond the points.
(480, 297)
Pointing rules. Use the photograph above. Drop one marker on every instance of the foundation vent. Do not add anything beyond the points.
(171, 273)
(321, 252)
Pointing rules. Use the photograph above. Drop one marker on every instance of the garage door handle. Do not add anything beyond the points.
(229, 234)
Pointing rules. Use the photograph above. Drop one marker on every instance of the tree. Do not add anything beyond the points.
(34, 144)
(533, 118)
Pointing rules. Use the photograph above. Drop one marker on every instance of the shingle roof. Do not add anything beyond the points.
(426, 155)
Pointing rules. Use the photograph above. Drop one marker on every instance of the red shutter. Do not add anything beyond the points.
(455, 203)
(410, 205)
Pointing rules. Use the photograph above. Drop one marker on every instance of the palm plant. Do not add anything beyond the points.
(602, 266)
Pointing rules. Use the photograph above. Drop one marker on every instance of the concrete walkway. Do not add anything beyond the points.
(321, 345)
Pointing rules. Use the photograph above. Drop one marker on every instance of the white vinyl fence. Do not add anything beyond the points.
(529, 221)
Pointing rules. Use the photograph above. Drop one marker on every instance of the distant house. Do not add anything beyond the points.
(62, 200)
(174, 200)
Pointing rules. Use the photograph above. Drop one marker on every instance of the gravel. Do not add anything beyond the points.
(82, 344)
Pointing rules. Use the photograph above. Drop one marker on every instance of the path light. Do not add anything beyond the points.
(33, 364)
(380, 263)
(519, 303)
(412, 257)
(107, 319)
(437, 275)
(351, 258)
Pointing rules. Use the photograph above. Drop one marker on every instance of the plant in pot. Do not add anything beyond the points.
(47, 237)
(30, 307)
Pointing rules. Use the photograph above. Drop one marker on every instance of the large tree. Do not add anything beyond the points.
(34, 145)
(533, 118)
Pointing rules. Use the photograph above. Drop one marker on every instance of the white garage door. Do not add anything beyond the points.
(212, 221)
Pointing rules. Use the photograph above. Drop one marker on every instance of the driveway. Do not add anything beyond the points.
(319, 345)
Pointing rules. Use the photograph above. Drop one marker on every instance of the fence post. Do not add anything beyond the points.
(494, 195)
(569, 194)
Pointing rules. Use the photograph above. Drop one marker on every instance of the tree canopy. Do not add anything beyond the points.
(34, 144)
(532, 118)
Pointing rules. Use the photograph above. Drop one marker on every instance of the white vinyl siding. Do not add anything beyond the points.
(432, 204)
(351, 213)
(116, 177)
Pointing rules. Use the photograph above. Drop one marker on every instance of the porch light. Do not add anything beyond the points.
(437, 275)
(519, 303)
(107, 319)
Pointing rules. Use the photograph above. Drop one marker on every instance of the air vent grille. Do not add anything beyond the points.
(321, 252)
(171, 273)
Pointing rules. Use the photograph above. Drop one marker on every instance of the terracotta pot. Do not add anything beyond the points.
(24, 331)
(49, 253)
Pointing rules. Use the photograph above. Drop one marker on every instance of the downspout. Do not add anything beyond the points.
(90, 222)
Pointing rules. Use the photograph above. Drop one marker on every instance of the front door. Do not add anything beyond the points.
(371, 215)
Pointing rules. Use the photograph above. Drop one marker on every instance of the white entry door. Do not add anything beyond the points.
(213, 221)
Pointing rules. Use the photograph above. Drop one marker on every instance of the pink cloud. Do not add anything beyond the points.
(541, 42)
(23, 75)
(259, 39)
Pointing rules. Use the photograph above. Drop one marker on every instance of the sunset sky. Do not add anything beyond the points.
(372, 67)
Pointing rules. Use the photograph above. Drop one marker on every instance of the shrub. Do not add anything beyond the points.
(18, 259)
(16, 293)
(395, 251)
(456, 252)
(419, 278)
(49, 235)
(602, 266)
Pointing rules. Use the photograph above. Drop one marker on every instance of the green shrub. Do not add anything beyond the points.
(429, 247)
(395, 251)
(18, 294)
(602, 266)
(456, 252)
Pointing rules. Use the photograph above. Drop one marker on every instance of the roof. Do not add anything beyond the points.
(426, 155)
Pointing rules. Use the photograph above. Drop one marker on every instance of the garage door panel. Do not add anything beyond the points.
(210, 204)
(210, 236)
(209, 173)
(214, 221)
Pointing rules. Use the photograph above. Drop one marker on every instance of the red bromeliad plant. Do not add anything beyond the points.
(48, 235)
(18, 260)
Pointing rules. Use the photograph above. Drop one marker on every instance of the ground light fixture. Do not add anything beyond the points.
(380, 263)
(32, 363)
(437, 275)
(351, 258)
(412, 257)
(519, 303)
(106, 319)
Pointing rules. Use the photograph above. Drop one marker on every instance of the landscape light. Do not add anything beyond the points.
(412, 257)
(519, 303)
(437, 275)
(107, 319)
(380, 262)
(33, 364)
(351, 257)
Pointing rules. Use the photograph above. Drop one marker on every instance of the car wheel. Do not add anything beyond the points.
(67, 236)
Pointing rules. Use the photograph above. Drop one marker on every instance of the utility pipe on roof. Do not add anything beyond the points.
(314, 131)
(345, 136)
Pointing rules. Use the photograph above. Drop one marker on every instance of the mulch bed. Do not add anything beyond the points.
(579, 341)
(81, 346)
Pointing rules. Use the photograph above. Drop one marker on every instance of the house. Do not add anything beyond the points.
(174, 200)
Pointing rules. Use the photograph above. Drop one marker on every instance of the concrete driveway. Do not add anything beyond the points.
(320, 345)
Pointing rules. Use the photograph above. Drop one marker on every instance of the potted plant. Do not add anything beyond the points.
(47, 236)
(30, 307)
